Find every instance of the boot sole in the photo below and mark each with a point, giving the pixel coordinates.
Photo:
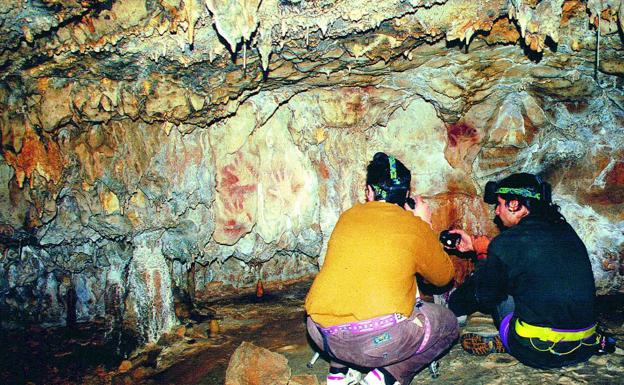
(479, 345)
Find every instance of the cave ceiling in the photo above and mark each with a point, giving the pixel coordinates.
(219, 52)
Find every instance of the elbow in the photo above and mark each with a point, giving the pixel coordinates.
(451, 272)
(445, 279)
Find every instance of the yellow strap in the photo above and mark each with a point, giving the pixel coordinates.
(547, 334)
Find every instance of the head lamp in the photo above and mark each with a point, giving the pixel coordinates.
(522, 185)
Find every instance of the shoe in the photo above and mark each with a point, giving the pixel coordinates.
(336, 379)
(351, 378)
(375, 377)
(479, 345)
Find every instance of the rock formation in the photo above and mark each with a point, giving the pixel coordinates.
(157, 147)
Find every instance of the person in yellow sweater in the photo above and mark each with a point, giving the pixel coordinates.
(363, 306)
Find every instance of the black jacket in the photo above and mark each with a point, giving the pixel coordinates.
(546, 269)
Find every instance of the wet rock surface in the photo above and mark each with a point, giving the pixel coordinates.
(200, 352)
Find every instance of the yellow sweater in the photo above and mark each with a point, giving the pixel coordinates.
(372, 256)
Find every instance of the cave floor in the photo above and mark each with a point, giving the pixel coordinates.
(197, 353)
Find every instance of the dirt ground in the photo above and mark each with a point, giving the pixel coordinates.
(197, 353)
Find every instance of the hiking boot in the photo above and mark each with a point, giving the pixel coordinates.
(479, 345)
(481, 324)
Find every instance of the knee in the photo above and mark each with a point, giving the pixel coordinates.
(453, 326)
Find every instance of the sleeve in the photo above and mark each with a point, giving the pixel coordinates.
(491, 280)
(480, 245)
(434, 265)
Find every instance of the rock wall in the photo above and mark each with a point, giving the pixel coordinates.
(145, 161)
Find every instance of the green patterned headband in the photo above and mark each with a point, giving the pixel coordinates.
(523, 192)
(393, 171)
(380, 192)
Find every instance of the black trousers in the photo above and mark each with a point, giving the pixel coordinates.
(531, 352)
(463, 300)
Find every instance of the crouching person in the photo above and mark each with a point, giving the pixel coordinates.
(362, 307)
(536, 280)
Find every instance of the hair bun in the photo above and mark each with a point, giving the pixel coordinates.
(380, 157)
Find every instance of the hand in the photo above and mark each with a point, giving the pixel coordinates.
(421, 209)
(465, 243)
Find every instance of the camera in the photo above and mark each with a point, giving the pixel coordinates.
(449, 240)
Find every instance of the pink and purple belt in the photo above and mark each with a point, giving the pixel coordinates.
(365, 326)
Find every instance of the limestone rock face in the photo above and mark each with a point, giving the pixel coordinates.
(153, 150)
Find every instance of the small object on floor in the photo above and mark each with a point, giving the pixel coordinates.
(606, 344)
(479, 345)
(313, 360)
(434, 368)
(259, 289)
(214, 328)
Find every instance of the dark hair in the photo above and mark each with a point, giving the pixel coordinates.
(389, 178)
(531, 192)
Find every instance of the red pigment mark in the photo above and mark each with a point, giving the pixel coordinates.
(324, 170)
(229, 178)
(231, 226)
(296, 188)
(455, 132)
(235, 192)
(234, 197)
(86, 20)
(158, 301)
(230, 181)
(235, 205)
(616, 175)
(356, 105)
(530, 129)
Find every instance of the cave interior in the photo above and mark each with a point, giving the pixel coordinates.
(171, 170)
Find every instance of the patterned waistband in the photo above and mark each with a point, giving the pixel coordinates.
(365, 326)
(526, 330)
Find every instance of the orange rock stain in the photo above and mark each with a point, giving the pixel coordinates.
(45, 159)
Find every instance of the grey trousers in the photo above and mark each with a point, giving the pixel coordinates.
(402, 349)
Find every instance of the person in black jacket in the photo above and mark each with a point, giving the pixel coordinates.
(536, 281)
